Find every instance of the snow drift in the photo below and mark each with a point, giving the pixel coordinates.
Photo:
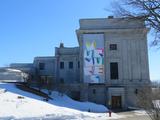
(18, 104)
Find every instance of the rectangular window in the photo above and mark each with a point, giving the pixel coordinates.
(41, 66)
(113, 46)
(78, 64)
(61, 80)
(94, 91)
(61, 65)
(114, 70)
(70, 65)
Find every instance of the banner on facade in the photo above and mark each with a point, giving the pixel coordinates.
(93, 58)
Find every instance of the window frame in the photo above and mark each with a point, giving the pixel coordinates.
(112, 47)
(41, 66)
(62, 80)
(94, 91)
(61, 65)
(114, 71)
(70, 64)
(78, 64)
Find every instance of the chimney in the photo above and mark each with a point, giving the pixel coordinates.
(110, 17)
(61, 45)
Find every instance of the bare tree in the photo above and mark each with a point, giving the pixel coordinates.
(148, 10)
(149, 100)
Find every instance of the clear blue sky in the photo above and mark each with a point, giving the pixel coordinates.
(30, 28)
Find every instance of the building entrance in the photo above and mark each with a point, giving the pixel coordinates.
(116, 102)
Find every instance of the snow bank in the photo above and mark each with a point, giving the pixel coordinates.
(16, 104)
(66, 101)
(140, 112)
(2, 90)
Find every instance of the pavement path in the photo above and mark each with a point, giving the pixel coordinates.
(131, 115)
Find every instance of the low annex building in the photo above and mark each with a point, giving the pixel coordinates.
(108, 67)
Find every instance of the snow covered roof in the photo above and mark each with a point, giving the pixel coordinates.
(13, 70)
(6, 69)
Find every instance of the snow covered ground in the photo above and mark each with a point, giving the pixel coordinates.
(16, 104)
(140, 112)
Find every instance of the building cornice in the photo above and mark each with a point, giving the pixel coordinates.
(117, 31)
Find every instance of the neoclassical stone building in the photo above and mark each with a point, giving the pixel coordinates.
(109, 66)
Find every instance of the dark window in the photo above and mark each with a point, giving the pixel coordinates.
(61, 80)
(94, 91)
(113, 46)
(78, 64)
(61, 65)
(70, 65)
(114, 70)
(136, 91)
(41, 66)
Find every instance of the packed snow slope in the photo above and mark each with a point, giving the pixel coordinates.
(18, 104)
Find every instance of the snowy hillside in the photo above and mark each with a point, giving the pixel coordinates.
(65, 101)
(17, 104)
